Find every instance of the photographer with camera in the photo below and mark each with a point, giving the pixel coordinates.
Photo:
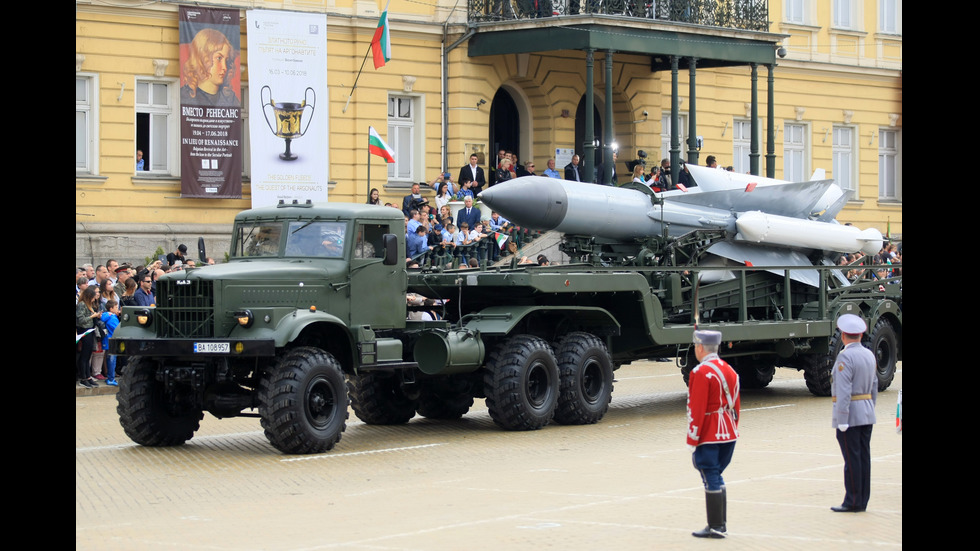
(413, 200)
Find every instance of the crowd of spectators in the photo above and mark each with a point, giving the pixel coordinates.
(100, 292)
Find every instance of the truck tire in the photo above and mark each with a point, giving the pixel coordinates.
(377, 399)
(819, 367)
(303, 402)
(522, 383)
(439, 400)
(884, 343)
(147, 415)
(586, 379)
(754, 372)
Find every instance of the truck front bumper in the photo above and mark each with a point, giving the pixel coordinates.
(192, 347)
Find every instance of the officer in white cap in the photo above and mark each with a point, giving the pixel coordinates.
(713, 404)
(855, 392)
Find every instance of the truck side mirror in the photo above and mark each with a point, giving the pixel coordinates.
(391, 249)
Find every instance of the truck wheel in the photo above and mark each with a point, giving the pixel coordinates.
(303, 402)
(377, 399)
(819, 367)
(147, 414)
(754, 372)
(439, 400)
(521, 383)
(884, 343)
(586, 379)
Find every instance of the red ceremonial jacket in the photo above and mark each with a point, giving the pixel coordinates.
(709, 417)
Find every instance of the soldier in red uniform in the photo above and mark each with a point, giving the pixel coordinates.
(712, 415)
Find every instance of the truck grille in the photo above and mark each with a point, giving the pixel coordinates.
(185, 308)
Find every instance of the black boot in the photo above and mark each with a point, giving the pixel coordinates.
(716, 505)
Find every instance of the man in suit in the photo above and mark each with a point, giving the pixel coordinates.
(573, 171)
(855, 392)
(468, 214)
(475, 173)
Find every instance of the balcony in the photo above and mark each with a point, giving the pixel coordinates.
(749, 15)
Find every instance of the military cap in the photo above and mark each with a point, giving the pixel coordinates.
(851, 324)
(707, 337)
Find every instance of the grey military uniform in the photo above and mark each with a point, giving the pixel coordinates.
(855, 387)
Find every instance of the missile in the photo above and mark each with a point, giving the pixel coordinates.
(759, 227)
(774, 214)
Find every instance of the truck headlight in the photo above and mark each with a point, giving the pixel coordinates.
(244, 318)
(144, 317)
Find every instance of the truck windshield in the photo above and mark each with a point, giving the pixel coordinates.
(257, 240)
(319, 239)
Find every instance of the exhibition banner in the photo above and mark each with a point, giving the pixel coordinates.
(288, 128)
(210, 103)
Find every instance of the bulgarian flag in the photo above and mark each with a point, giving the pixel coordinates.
(381, 43)
(377, 146)
(500, 238)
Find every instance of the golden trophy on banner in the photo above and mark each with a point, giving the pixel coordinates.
(288, 117)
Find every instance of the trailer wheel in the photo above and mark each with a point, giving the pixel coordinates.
(378, 399)
(148, 415)
(586, 379)
(303, 402)
(884, 343)
(754, 372)
(819, 367)
(522, 383)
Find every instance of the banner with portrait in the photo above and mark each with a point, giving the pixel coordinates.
(210, 103)
(288, 124)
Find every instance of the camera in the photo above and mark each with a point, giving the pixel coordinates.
(641, 160)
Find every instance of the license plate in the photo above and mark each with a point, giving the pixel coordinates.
(212, 348)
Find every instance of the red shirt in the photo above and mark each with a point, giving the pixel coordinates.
(710, 416)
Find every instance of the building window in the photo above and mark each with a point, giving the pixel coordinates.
(403, 138)
(86, 126)
(741, 145)
(795, 12)
(665, 135)
(845, 159)
(844, 16)
(889, 163)
(156, 125)
(794, 152)
(890, 16)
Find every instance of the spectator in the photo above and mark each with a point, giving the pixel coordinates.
(573, 171)
(110, 318)
(178, 254)
(107, 293)
(143, 295)
(86, 312)
(443, 196)
(475, 173)
(550, 172)
(374, 198)
(128, 297)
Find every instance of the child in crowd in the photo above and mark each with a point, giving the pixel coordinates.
(110, 317)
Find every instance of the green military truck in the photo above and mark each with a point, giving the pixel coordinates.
(310, 316)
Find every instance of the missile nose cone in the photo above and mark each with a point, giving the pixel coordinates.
(537, 202)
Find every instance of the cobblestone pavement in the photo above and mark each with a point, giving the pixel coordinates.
(626, 483)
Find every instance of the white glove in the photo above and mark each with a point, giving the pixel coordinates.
(691, 448)
(843, 427)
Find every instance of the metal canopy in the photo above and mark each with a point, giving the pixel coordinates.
(710, 47)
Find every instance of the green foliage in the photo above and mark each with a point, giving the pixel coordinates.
(156, 255)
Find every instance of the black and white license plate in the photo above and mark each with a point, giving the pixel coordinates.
(212, 348)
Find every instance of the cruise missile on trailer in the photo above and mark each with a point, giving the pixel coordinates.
(769, 222)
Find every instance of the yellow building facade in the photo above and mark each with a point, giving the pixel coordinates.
(837, 103)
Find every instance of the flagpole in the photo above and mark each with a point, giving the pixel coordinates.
(363, 61)
(369, 163)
